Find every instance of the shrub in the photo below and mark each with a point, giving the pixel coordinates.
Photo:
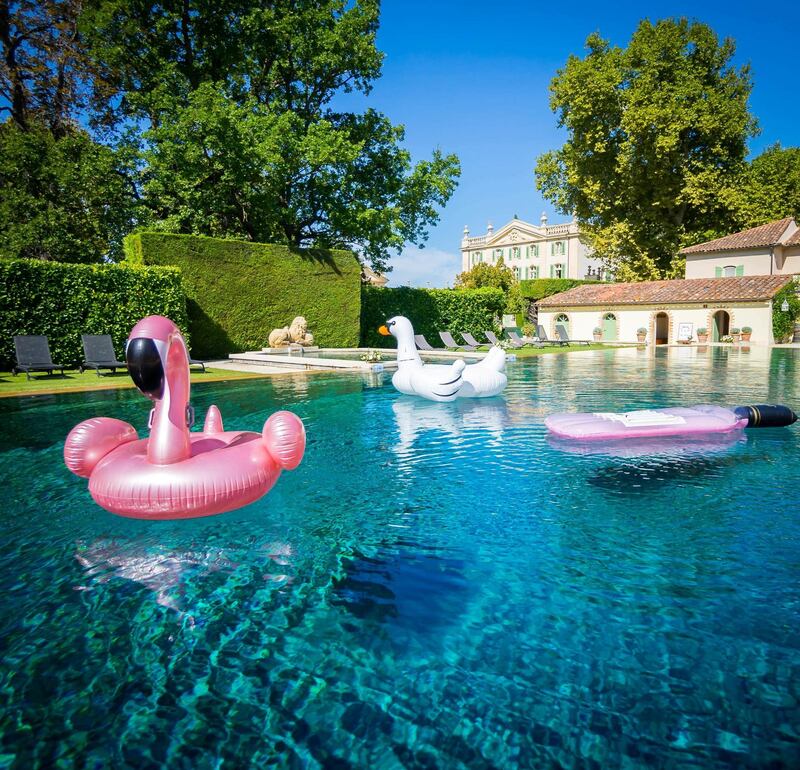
(429, 310)
(528, 330)
(747, 330)
(597, 330)
(64, 301)
(736, 330)
(702, 330)
(641, 330)
(539, 288)
(238, 291)
(783, 323)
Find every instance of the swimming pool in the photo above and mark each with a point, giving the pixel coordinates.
(435, 586)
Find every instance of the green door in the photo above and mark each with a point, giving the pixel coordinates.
(609, 327)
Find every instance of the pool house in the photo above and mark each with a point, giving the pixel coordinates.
(670, 311)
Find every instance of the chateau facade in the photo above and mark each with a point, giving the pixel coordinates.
(533, 251)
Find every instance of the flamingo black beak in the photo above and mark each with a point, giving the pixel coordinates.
(145, 367)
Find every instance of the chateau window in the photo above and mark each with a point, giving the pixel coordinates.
(477, 257)
(534, 271)
(498, 254)
(516, 273)
(515, 252)
(556, 271)
(557, 248)
(532, 251)
(729, 271)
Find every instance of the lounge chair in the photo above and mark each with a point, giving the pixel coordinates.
(561, 331)
(196, 362)
(492, 337)
(470, 340)
(422, 343)
(542, 335)
(98, 353)
(519, 342)
(33, 355)
(449, 342)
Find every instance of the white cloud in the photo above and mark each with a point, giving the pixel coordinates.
(428, 268)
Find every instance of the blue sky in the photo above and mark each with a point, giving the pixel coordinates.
(472, 78)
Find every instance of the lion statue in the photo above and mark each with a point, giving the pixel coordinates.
(296, 334)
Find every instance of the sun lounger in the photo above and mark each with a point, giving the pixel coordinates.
(542, 335)
(98, 353)
(470, 340)
(449, 342)
(33, 355)
(196, 362)
(422, 343)
(561, 331)
(492, 337)
(515, 338)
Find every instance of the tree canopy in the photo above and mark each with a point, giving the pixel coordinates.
(657, 136)
(769, 187)
(227, 112)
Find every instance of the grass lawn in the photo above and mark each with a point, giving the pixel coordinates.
(530, 352)
(74, 381)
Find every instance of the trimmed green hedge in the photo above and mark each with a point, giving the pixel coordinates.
(429, 310)
(239, 291)
(64, 301)
(539, 288)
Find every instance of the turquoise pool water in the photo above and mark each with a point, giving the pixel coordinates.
(435, 587)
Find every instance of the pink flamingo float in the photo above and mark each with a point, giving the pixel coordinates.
(176, 473)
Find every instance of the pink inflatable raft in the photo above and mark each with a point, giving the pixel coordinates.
(175, 473)
(696, 421)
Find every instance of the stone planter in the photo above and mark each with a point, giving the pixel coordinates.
(746, 336)
(736, 337)
(598, 337)
(702, 339)
(640, 338)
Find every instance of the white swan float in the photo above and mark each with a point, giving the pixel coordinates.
(437, 382)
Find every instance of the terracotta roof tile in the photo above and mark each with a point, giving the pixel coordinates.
(794, 240)
(763, 235)
(693, 290)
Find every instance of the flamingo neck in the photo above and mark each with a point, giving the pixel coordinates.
(407, 352)
(169, 436)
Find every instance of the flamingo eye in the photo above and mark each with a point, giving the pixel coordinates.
(145, 367)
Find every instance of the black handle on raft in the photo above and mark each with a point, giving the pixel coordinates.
(766, 415)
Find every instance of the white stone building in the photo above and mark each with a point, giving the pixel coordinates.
(533, 251)
(770, 249)
(667, 310)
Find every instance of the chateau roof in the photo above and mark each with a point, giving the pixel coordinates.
(693, 290)
(763, 235)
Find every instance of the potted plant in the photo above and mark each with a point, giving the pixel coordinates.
(597, 332)
(736, 334)
(746, 332)
(641, 334)
(702, 335)
(529, 330)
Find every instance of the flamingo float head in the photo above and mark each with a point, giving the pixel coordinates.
(158, 363)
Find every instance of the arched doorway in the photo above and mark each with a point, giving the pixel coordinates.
(562, 320)
(609, 327)
(721, 325)
(662, 328)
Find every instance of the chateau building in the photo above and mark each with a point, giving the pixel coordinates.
(533, 251)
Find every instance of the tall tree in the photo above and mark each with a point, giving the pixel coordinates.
(242, 137)
(770, 187)
(657, 135)
(64, 198)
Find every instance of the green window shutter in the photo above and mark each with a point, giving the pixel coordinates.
(717, 272)
(551, 270)
(739, 270)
